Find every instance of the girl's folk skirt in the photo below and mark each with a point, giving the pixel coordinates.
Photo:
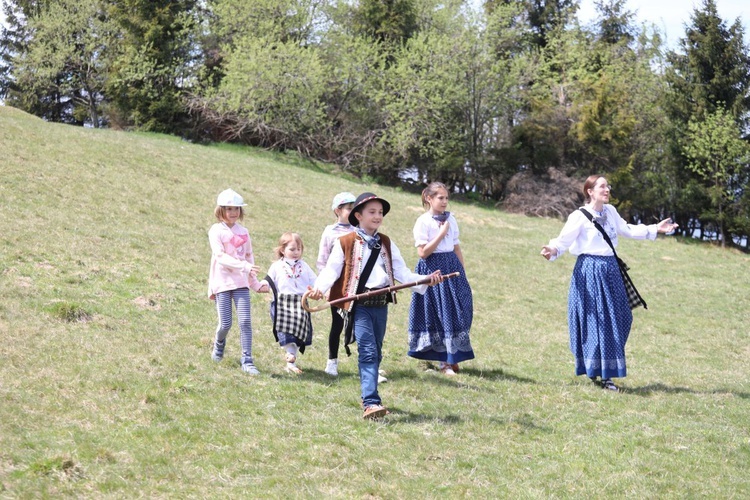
(599, 317)
(440, 320)
(291, 323)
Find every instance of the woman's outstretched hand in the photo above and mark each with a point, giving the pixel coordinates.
(666, 226)
(548, 252)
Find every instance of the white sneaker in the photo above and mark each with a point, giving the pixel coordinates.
(381, 379)
(250, 369)
(332, 367)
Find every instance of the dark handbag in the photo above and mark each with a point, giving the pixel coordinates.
(634, 298)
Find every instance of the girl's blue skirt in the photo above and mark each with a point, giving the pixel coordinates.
(440, 320)
(599, 317)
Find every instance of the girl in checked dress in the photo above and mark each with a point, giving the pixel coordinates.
(289, 278)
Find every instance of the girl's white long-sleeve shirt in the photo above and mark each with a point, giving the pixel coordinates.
(231, 259)
(327, 239)
(580, 235)
(291, 277)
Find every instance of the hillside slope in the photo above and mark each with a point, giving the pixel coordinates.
(108, 389)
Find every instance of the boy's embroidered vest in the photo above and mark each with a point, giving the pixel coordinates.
(354, 264)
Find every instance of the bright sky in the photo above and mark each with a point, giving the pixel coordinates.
(671, 16)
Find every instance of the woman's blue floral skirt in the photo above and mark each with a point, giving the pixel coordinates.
(599, 317)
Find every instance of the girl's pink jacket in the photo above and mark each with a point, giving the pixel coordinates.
(231, 259)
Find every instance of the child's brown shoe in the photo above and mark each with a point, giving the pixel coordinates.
(373, 412)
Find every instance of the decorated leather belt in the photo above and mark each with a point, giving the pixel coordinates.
(376, 300)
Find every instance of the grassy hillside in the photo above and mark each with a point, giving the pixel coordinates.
(107, 388)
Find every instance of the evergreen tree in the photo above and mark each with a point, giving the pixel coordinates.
(717, 154)
(541, 16)
(57, 68)
(154, 64)
(614, 22)
(711, 72)
(390, 22)
(14, 39)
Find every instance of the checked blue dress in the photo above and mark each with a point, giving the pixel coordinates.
(440, 320)
(599, 317)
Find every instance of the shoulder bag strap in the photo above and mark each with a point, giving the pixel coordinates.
(606, 238)
(623, 266)
(275, 292)
(600, 228)
(348, 323)
(374, 252)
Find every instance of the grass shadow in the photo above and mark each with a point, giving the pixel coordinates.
(400, 416)
(493, 374)
(496, 374)
(525, 422)
(316, 375)
(650, 389)
(433, 377)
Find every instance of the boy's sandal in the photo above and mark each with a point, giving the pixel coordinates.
(291, 358)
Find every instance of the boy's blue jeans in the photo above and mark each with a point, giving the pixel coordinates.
(369, 330)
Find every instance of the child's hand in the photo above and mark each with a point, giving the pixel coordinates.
(264, 288)
(314, 293)
(254, 270)
(436, 277)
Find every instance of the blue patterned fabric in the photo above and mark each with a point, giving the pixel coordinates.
(372, 241)
(441, 217)
(599, 317)
(440, 320)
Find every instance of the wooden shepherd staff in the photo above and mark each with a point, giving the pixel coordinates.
(371, 293)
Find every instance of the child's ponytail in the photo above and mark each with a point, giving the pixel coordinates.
(431, 190)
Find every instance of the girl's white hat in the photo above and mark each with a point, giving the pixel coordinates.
(342, 199)
(229, 198)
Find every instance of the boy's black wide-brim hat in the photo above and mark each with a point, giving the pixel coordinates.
(361, 201)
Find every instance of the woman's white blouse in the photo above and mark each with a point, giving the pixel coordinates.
(580, 235)
(426, 229)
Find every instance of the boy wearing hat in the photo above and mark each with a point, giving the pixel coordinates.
(360, 261)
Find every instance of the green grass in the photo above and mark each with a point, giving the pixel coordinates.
(107, 388)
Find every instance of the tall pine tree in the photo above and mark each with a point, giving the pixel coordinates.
(710, 72)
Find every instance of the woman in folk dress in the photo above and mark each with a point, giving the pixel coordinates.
(599, 315)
